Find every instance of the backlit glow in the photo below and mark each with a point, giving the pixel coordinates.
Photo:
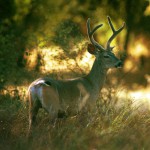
(54, 59)
(139, 48)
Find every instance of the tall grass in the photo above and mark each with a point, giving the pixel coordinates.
(106, 127)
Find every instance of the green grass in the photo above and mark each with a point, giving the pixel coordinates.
(104, 128)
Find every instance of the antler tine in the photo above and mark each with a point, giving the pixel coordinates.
(115, 33)
(90, 34)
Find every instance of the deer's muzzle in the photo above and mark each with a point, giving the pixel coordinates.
(119, 64)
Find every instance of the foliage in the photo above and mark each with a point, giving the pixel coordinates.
(66, 34)
(32, 24)
(8, 55)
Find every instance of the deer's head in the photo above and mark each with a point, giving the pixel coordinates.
(102, 54)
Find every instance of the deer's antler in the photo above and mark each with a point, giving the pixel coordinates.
(115, 33)
(90, 34)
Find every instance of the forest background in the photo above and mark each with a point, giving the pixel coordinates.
(49, 38)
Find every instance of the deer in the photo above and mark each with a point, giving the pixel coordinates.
(56, 96)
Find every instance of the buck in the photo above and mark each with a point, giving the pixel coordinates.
(57, 96)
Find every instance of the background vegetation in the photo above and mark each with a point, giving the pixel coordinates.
(30, 30)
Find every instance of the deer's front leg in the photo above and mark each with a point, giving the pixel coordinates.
(84, 96)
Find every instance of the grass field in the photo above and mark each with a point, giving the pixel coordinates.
(104, 128)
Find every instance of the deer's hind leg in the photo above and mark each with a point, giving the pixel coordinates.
(34, 105)
(51, 102)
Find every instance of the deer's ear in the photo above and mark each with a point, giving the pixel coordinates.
(91, 49)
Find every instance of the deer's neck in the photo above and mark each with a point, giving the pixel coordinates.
(97, 74)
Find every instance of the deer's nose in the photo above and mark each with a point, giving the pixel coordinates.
(119, 64)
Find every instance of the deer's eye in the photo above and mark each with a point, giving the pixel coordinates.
(106, 56)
